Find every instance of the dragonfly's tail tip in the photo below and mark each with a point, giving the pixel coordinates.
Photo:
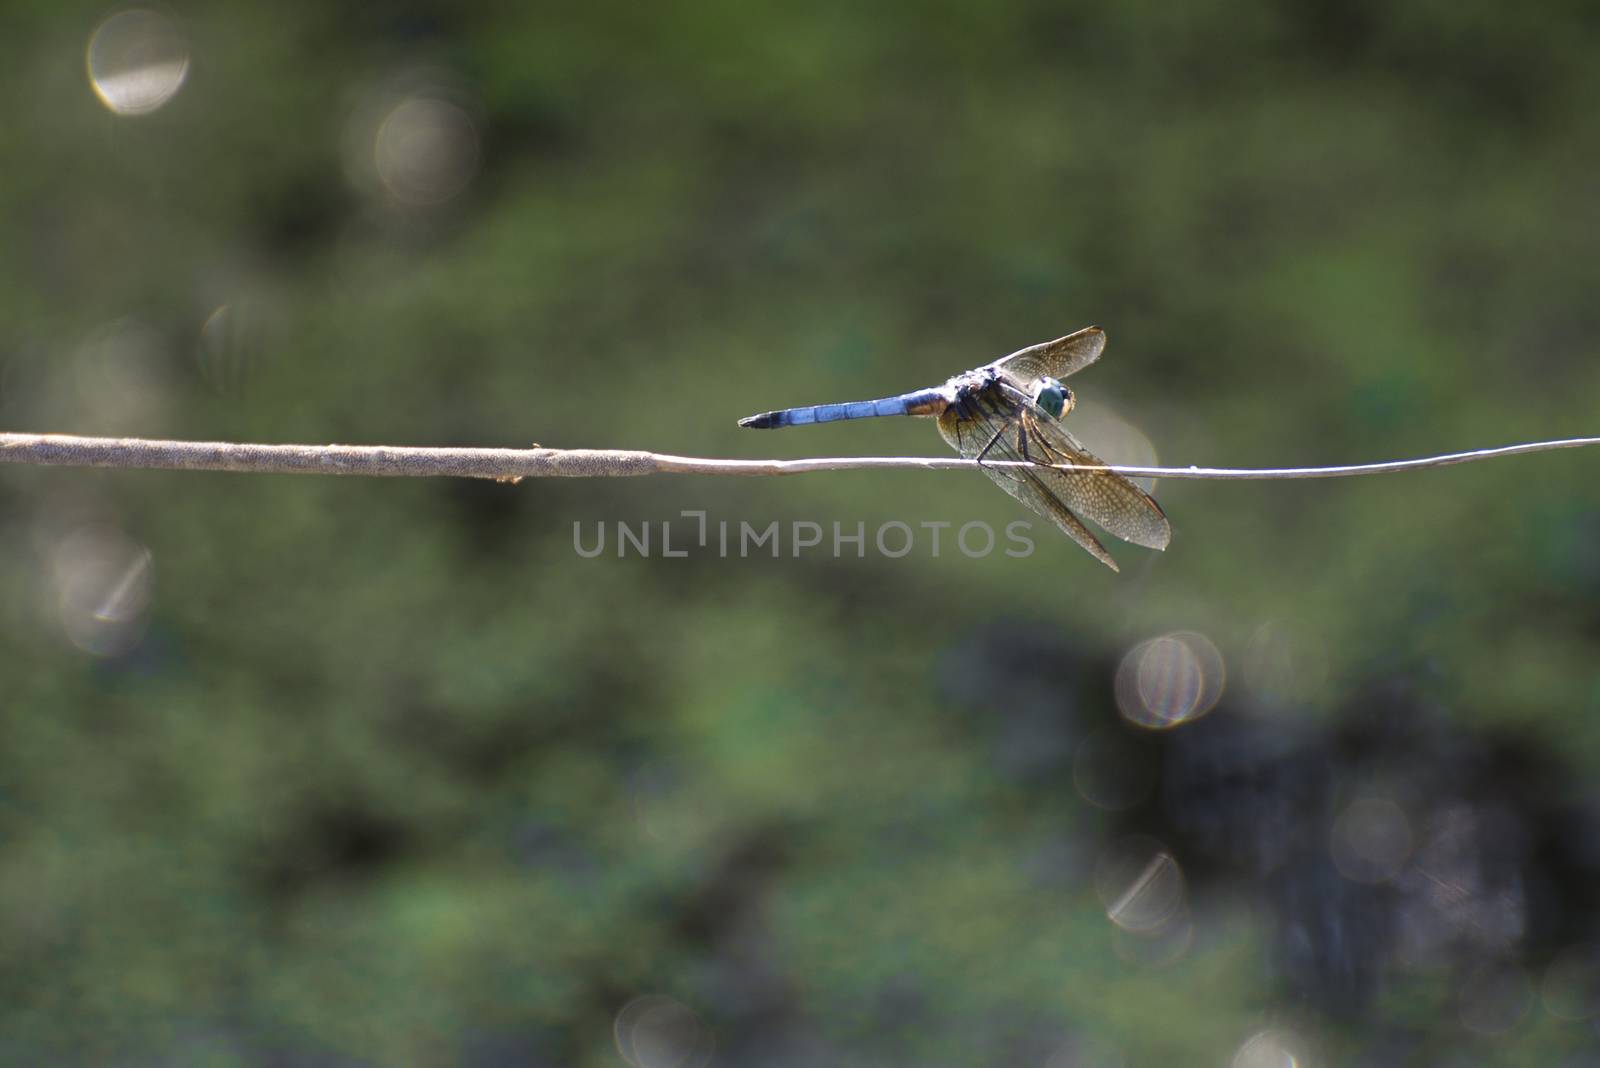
(757, 422)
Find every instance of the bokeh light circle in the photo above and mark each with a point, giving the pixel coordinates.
(1114, 439)
(1283, 662)
(231, 345)
(658, 1032)
(137, 59)
(1140, 884)
(1570, 989)
(1494, 999)
(425, 150)
(1164, 946)
(122, 375)
(1270, 1049)
(1170, 680)
(1372, 840)
(104, 581)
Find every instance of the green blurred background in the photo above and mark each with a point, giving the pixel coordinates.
(305, 771)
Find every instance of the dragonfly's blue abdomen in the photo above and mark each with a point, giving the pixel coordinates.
(920, 402)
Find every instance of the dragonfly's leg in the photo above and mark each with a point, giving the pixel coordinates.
(1022, 445)
(993, 441)
(1013, 475)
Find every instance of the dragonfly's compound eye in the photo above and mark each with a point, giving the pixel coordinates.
(1052, 398)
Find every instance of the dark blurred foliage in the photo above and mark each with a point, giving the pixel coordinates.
(308, 771)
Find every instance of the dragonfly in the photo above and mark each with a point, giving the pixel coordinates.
(1013, 410)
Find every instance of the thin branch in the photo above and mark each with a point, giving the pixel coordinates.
(64, 450)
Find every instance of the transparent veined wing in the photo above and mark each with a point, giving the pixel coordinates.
(971, 431)
(1106, 498)
(1054, 359)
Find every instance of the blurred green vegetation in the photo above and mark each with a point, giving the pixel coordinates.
(392, 776)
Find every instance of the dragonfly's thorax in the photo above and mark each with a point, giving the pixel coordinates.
(985, 390)
(970, 384)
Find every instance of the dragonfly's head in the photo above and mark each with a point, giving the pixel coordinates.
(1052, 398)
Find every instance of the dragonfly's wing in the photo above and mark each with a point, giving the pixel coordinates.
(1055, 359)
(1104, 497)
(1037, 496)
(969, 433)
